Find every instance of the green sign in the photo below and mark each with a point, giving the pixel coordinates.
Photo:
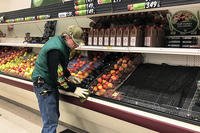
(37, 3)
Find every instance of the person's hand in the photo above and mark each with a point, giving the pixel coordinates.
(81, 92)
(74, 79)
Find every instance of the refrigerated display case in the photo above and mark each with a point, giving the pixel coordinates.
(157, 92)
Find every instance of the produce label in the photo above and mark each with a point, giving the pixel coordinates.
(147, 41)
(133, 41)
(89, 40)
(125, 41)
(119, 40)
(100, 41)
(95, 41)
(106, 43)
(112, 41)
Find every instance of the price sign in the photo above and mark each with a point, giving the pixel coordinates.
(152, 4)
(117, 1)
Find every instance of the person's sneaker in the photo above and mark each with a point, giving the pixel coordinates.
(68, 131)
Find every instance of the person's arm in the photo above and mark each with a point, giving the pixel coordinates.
(54, 58)
(52, 63)
(64, 65)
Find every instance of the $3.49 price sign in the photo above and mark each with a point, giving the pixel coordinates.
(152, 4)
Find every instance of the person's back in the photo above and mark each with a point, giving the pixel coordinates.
(41, 68)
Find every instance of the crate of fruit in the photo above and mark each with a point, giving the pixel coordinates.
(107, 83)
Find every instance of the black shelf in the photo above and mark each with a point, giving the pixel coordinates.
(68, 6)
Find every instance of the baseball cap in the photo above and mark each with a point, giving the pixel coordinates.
(76, 33)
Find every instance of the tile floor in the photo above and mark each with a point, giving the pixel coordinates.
(14, 119)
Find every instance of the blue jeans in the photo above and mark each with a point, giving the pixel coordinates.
(49, 106)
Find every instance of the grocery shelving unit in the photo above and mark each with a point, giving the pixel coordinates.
(153, 50)
(148, 120)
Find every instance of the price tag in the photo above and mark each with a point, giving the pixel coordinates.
(117, 1)
(152, 4)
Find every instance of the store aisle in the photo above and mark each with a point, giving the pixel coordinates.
(14, 119)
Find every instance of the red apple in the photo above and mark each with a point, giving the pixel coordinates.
(99, 80)
(105, 86)
(114, 78)
(104, 76)
(121, 69)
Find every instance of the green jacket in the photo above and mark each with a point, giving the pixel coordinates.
(41, 68)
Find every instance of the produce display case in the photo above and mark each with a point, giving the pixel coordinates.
(169, 90)
(122, 78)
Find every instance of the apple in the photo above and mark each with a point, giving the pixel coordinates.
(124, 61)
(86, 74)
(110, 85)
(112, 72)
(99, 80)
(117, 72)
(124, 65)
(95, 88)
(101, 92)
(116, 66)
(104, 81)
(100, 87)
(105, 86)
(104, 76)
(114, 78)
(121, 69)
(80, 73)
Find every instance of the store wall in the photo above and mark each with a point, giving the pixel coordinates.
(11, 5)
